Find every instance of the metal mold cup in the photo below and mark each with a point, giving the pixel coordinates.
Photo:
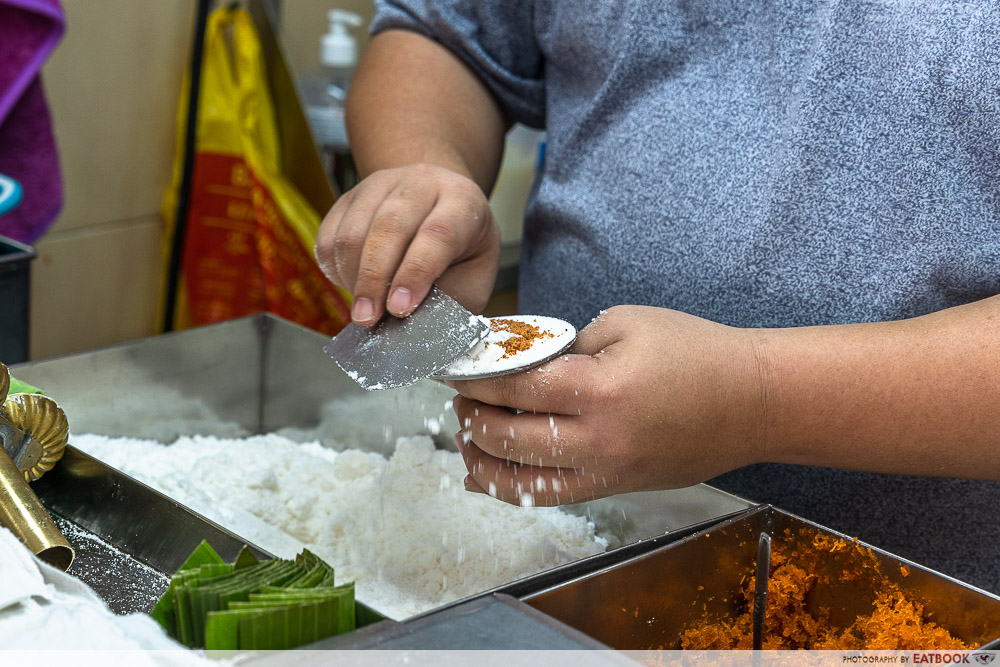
(33, 435)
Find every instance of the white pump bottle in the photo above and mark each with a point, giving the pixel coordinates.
(325, 90)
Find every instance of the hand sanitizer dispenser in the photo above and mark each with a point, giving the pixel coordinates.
(325, 90)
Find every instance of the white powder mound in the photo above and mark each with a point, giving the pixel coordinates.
(489, 357)
(115, 412)
(404, 528)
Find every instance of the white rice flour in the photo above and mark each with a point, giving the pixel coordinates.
(403, 528)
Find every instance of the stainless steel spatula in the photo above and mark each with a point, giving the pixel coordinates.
(397, 352)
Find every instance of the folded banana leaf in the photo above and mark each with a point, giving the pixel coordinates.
(274, 604)
(164, 612)
(289, 627)
(245, 558)
(271, 628)
(343, 594)
(235, 586)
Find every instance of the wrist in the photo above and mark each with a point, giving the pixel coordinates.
(760, 394)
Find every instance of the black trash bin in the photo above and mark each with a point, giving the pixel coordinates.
(15, 293)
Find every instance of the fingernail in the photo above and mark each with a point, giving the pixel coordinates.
(399, 302)
(363, 310)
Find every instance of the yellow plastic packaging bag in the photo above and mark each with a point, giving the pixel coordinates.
(249, 234)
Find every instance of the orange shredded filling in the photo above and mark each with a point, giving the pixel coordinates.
(523, 335)
(896, 621)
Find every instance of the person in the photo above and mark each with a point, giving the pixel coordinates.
(797, 200)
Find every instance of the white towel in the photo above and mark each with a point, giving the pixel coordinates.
(42, 608)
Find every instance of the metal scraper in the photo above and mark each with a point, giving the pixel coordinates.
(397, 352)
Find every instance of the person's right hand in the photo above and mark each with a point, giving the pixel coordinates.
(399, 231)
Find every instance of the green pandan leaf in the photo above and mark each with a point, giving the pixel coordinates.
(211, 571)
(22, 387)
(222, 631)
(238, 587)
(182, 615)
(346, 620)
(203, 554)
(164, 611)
(274, 604)
(327, 581)
(311, 578)
(285, 628)
(245, 559)
(343, 595)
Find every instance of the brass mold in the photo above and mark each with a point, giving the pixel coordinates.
(46, 432)
(33, 434)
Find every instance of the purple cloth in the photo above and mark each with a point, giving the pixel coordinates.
(29, 31)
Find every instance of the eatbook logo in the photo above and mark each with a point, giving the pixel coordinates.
(983, 658)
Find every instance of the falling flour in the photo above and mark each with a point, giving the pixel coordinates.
(402, 527)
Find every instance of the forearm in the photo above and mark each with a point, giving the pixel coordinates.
(413, 101)
(918, 396)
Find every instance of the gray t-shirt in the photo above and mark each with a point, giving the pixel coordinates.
(761, 164)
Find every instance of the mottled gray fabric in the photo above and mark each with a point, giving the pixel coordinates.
(763, 164)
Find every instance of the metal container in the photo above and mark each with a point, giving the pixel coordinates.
(493, 622)
(258, 375)
(647, 601)
(15, 294)
(129, 539)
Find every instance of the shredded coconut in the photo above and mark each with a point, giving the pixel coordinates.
(403, 528)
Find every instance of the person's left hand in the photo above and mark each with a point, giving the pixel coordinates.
(647, 399)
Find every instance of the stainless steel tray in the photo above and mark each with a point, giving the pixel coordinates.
(130, 538)
(257, 375)
(646, 602)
